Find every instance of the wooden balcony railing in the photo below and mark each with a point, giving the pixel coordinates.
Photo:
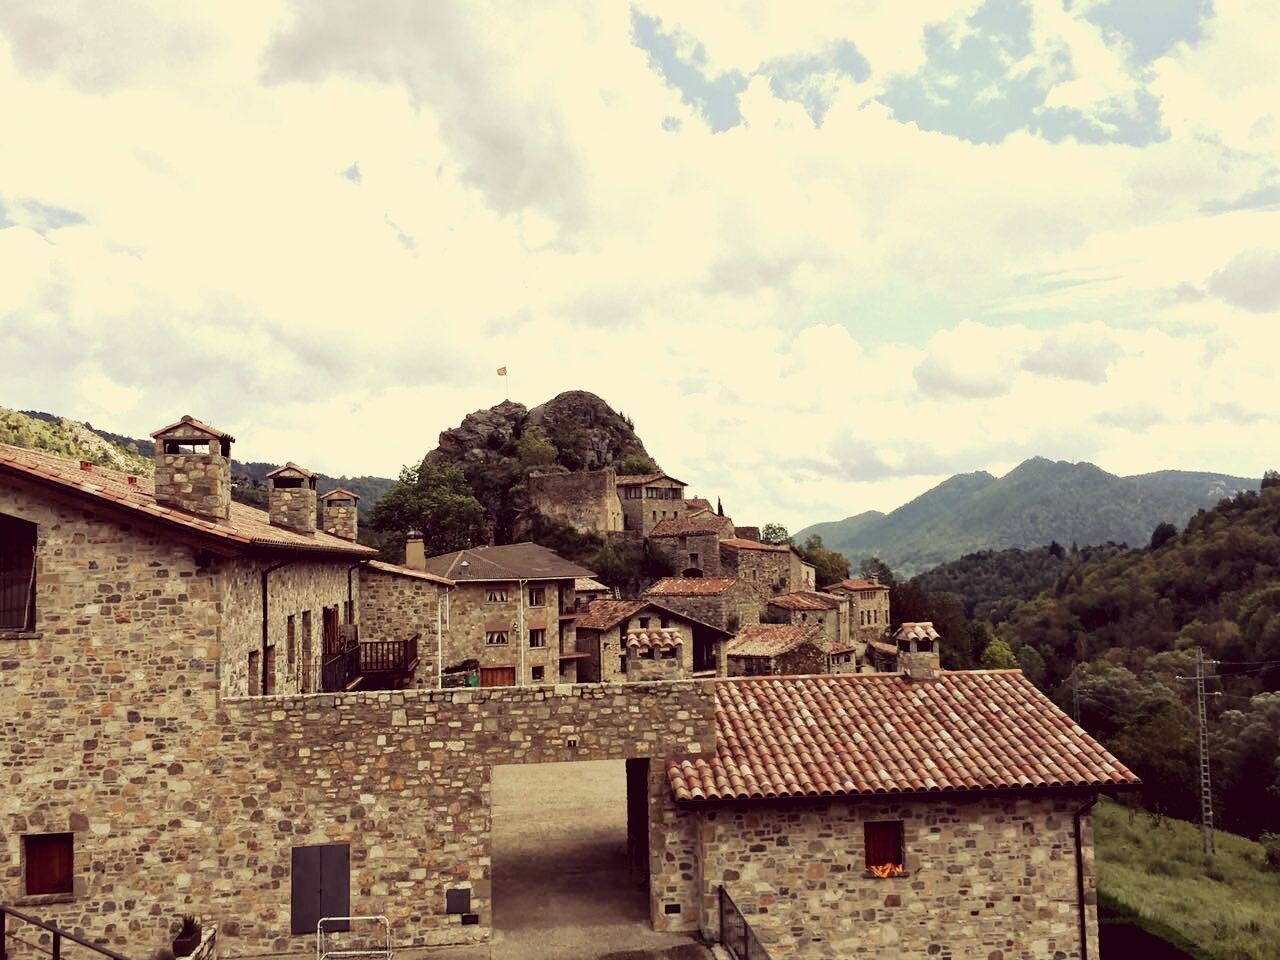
(389, 656)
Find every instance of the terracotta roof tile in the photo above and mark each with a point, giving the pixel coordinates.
(771, 639)
(246, 527)
(854, 735)
(510, 561)
(805, 600)
(691, 524)
(917, 631)
(339, 492)
(654, 639)
(191, 422)
(737, 543)
(690, 587)
(859, 585)
(603, 614)
(291, 467)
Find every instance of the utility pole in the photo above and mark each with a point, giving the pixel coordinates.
(1206, 787)
(1075, 693)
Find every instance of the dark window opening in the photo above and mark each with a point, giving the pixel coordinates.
(644, 623)
(287, 483)
(622, 663)
(187, 447)
(320, 886)
(537, 596)
(670, 653)
(17, 574)
(50, 863)
(883, 840)
(924, 646)
(291, 642)
(537, 637)
(539, 673)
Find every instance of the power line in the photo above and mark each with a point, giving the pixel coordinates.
(1206, 787)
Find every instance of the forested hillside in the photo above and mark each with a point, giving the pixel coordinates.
(1038, 502)
(1117, 635)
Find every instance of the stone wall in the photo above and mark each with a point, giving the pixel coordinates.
(301, 590)
(697, 551)
(293, 508)
(587, 500)
(195, 482)
(397, 606)
(728, 611)
(470, 611)
(767, 572)
(340, 518)
(805, 658)
(643, 513)
(988, 877)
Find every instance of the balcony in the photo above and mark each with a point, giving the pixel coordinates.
(354, 664)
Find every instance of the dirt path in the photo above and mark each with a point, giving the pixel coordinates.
(561, 889)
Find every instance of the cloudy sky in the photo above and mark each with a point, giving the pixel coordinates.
(825, 254)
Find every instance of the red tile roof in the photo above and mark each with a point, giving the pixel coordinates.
(917, 631)
(246, 526)
(805, 600)
(859, 585)
(771, 639)
(339, 492)
(291, 467)
(603, 614)
(654, 639)
(736, 543)
(691, 524)
(855, 735)
(399, 571)
(690, 587)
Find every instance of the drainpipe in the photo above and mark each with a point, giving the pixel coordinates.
(1080, 904)
(266, 621)
(520, 634)
(440, 636)
(351, 600)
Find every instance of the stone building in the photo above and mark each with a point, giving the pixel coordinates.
(917, 643)
(648, 499)
(831, 613)
(969, 794)
(777, 649)
(144, 781)
(586, 500)
(614, 634)
(511, 613)
(768, 568)
(402, 605)
(868, 607)
(691, 543)
(723, 602)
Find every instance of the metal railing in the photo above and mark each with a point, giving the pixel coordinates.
(50, 941)
(736, 934)
(376, 949)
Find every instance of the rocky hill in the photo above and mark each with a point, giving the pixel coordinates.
(1038, 502)
(495, 448)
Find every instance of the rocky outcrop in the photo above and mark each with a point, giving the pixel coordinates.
(482, 436)
(587, 432)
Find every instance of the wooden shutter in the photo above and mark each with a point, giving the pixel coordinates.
(50, 863)
(883, 842)
(320, 886)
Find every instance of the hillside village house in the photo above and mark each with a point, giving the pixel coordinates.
(691, 543)
(143, 781)
(768, 568)
(907, 641)
(648, 499)
(777, 650)
(643, 640)
(511, 612)
(723, 602)
(831, 614)
(868, 607)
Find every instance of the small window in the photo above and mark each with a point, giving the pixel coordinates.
(539, 673)
(495, 638)
(646, 654)
(537, 637)
(924, 646)
(537, 596)
(287, 483)
(622, 663)
(664, 622)
(644, 623)
(883, 839)
(496, 595)
(255, 673)
(187, 447)
(49, 863)
(693, 559)
(17, 574)
(291, 641)
(669, 653)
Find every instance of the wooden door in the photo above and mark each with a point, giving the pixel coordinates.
(497, 676)
(330, 626)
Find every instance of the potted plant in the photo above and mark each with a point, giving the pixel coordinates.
(188, 938)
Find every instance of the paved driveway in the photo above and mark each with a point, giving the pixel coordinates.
(560, 882)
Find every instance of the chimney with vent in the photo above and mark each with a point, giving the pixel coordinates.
(193, 468)
(338, 513)
(415, 554)
(291, 498)
(918, 655)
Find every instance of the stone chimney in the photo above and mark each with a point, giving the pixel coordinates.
(918, 654)
(338, 513)
(291, 498)
(415, 554)
(193, 468)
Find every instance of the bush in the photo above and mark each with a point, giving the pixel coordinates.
(1270, 851)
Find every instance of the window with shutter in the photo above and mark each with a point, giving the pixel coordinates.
(883, 840)
(50, 863)
(320, 886)
(17, 574)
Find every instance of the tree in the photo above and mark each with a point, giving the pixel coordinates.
(1270, 479)
(873, 568)
(636, 465)
(774, 533)
(435, 500)
(1162, 534)
(998, 656)
(829, 566)
(1032, 664)
(719, 508)
(533, 449)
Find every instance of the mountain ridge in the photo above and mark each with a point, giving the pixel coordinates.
(1038, 501)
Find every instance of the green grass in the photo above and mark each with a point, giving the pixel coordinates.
(1227, 907)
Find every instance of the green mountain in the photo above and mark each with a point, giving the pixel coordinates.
(1038, 502)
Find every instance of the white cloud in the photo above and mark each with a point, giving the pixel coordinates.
(807, 321)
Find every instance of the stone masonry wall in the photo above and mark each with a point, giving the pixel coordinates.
(292, 591)
(989, 877)
(341, 518)
(679, 551)
(293, 507)
(395, 607)
(470, 611)
(587, 500)
(736, 607)
(767, 572)
(195, 482)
